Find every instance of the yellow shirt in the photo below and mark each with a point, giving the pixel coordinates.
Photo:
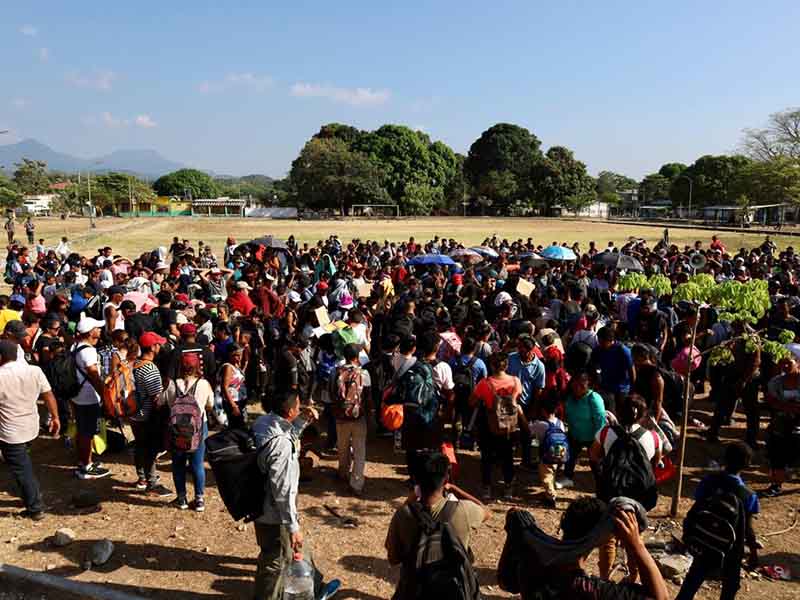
(7, 315)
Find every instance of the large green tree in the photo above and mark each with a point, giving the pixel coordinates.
(712, 178)
(609, 185)
(653, 187)
(186, 182)
(30, 177)
(503, 148)
(672, 170)
(111, 190)
(9, 194)
(561, 180)
(329, 175)
(770, 181)
(347, 133)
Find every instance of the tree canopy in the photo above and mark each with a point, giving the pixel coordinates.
(9, 194)
(712, 181)
(672, 170)
(780, 138)
(30, 177)
(561, 179)
(186, 182)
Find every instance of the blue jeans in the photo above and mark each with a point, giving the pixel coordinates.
(19, 461)
(195, 463)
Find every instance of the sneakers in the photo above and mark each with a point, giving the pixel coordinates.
(141, 484)
(159, 491)
(93, 471)
(565, 483)
(772, 491)
(180, 503)
(199, 504)
(33, 516)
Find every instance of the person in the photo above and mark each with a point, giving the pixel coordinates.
(277, 530)
(232, 387)
(629, 411)
(351, 400)
(571, 579)
(9, 227)
(438, 497)
(86, 405)
(585, 415)
(737, 458)
(783, 397)
(147, 423)
(30, 229)
(496, 444)
(22, 387)
(525, 365)
(614, 362)
(546, 430)
(192, 383)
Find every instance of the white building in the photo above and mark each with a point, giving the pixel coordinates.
(38, 204)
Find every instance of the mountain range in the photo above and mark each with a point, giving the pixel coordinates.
(143, 163)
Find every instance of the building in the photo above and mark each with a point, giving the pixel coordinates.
(162, 206)
(218, 207)
(758, 214)
(37, 204)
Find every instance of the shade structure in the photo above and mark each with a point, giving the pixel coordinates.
(432, 259)
(558, 253)
(485, 251)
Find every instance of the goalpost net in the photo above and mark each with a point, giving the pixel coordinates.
(379, 211)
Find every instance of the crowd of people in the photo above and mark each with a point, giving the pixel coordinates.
(442, 348)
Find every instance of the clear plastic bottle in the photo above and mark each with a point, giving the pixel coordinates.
(534, 451)
(398, 441)
(299, 580)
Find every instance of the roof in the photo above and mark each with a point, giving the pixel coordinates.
(61, 185)
(652, 207)
(752, 207)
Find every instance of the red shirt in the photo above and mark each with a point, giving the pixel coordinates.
(489, 386)
(240, 302)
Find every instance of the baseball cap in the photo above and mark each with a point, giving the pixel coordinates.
(182, 298)
(150, 338)
(294, 296)
(243, 285)
(17, 298)
(188, 329)
(16, 329)
(190, 359)
(86, 324)
(322, 286)
(215, 271)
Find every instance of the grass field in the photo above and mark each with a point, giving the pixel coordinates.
(134, 236)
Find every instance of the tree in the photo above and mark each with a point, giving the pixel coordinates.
(186, 182)
(503, 148)
(780, 138)
(712, 178)
(327, 174)
(498, 187)
(654, 187)
(766, 182)
(9, 195)
(112, 190)
(672, 170)
(31, 177)
(421, 198)
(609, 184)
(561, 179)
(347, 133)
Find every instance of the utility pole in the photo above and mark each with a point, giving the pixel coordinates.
(92, 224)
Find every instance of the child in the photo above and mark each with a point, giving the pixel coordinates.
(737, 458)
(553, 447)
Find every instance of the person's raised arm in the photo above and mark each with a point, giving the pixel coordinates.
(627, 530)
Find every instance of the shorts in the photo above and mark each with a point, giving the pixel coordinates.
(87, 419)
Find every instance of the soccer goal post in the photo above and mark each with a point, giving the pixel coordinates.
(381, 211)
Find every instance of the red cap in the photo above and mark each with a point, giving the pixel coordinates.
(182, 298)
(149, 339)
(190, 359)
(322, 286)
(188, 329)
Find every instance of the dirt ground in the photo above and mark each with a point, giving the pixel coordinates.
(173, 555)
(134, 236)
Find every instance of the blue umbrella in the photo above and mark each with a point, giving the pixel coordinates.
(558, 253)
(432, 259)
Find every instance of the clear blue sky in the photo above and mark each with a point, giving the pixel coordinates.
(238, 87)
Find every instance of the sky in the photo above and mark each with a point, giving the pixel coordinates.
(239, 87)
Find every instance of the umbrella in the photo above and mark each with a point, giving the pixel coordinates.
(269, 241)
(465, 255)
(618, 261)
(432, 259)
(558, 253)
(531, 259)
(485, 251)
(143, 302)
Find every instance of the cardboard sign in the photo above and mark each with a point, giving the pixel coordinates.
(323, 318)
(525, 288)
(364, 290)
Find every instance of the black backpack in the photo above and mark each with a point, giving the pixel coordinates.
(626, 470)
(463, 380)
(674, 384)
(64, 377)
(233, 456)
(442, 567)
(714, 526)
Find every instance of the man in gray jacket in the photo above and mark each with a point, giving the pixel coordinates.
(278, 529)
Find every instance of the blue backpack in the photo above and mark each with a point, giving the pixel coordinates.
(417, 392)
(326, 368)
(555, 447)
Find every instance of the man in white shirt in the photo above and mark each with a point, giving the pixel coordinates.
(23, 385)
(87, 403)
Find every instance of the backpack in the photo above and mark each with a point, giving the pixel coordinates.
(233, 457)
(349, 385)
(504, 417)
(555, 447)
(674, 384)
(442, 566)
(343, 337)
(714, 526)
(463, 379)
(326, 368)
(65, 380)
(417, 392)
(185, 420)
(119, 399)
(626, 470)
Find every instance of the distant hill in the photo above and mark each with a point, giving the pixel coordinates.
(145, 163)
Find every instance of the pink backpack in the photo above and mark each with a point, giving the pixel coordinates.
(185, 420)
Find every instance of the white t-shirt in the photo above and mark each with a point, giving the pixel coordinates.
(84, 359)
(443, 377)
(203, 393)
(649, 441)
(22, 384)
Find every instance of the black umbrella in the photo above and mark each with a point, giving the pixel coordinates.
(269, 241)
(618, 261)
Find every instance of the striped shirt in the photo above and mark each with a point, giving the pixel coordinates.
(147, 381)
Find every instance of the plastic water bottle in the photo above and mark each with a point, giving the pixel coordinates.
(299, 580)
(534, 451)
(398, 442)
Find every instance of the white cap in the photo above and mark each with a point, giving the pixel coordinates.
(161, 265)
(243, 285)
(294, 296)
(86, 324)
(502, 298)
